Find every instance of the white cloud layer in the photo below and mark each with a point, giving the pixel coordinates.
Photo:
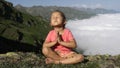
(97, 35)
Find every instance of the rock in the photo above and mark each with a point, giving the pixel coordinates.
(13, 55)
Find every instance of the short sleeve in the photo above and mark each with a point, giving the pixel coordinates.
(48, 37)
(70, 36)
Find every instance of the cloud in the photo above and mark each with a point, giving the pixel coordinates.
(84, 6)
(97, 35)
(88, 6)
(97, 6)
(98, 28)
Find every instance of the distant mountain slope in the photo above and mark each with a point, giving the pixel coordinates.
(96, 10)
(21, 27)
(45, 11)
(70, 12)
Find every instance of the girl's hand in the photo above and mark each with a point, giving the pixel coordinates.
(55, 42)
(70, 44)
(59, 37)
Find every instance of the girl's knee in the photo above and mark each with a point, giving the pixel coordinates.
(45, 51)
(81, 57)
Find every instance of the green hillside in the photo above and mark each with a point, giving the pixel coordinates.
(21, 27)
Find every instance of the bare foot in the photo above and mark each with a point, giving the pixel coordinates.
(49, 60)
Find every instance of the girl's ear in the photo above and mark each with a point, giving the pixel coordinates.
(64, 22)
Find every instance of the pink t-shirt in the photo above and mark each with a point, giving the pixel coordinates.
(66, 37)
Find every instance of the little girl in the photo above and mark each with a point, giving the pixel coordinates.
(59, 43)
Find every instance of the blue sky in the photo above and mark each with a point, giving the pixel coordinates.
(108, 4)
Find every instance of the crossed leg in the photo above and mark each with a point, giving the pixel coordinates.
(72, 59)
(53, 57)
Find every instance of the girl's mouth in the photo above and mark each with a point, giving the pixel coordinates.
(56, 23)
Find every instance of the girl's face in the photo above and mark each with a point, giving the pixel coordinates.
(56, 19)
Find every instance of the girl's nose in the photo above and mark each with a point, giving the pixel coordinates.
(56, 17)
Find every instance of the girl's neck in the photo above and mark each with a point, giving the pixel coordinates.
(59, 29)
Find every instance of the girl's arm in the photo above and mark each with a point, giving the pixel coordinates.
(49, 44)
(70, 44)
